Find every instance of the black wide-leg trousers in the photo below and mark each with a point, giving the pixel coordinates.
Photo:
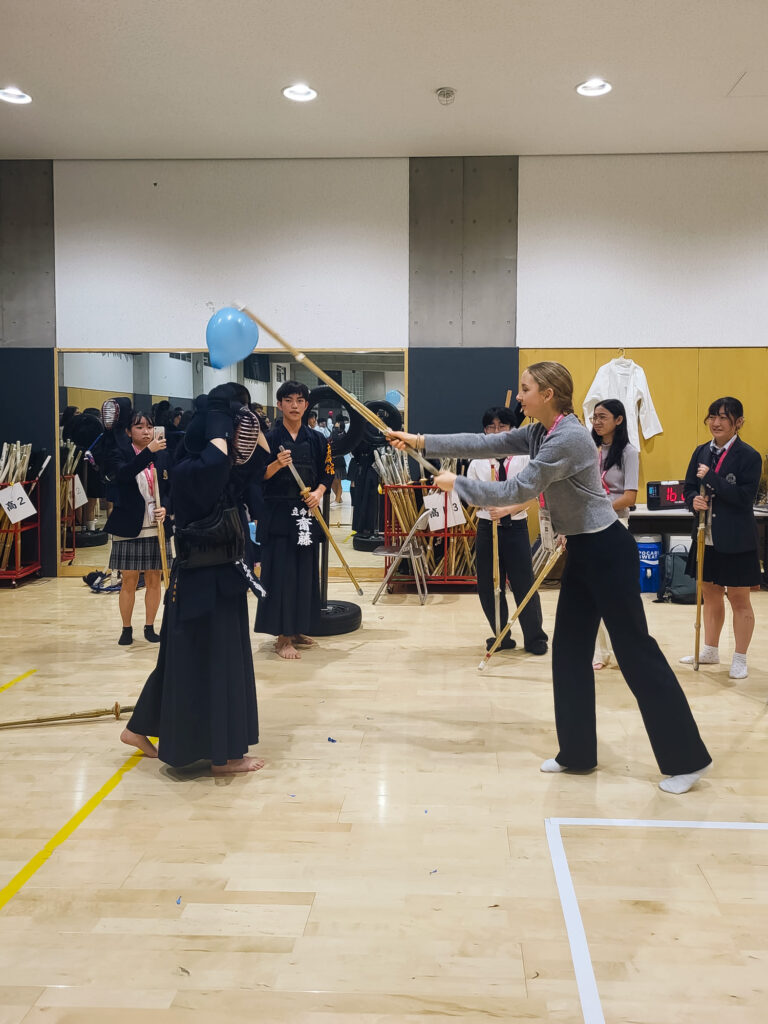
(602, 580)
(515, 564)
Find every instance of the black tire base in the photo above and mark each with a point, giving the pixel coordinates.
(339, 617)
(91, 538)
(370, 543)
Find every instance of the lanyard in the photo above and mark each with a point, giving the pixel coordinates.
(606, 488)
(716, 469)
(560, 416)
(147, 471)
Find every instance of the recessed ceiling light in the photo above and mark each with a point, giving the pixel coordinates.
(594, 87)
(299, 93)
(13, 95)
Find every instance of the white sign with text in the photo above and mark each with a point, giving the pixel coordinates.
(15, 503)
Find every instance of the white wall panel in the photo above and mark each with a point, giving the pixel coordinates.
(146, 251)
(258, 390)
(99, 371)
(640, 251)
(168, 376)
(213, 377)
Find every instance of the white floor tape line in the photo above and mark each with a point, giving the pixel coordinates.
(591, 1008)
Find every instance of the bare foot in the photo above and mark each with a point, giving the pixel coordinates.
(303, 641)
(242, 764)
(598, 665)
(135, 739)
(284, 647)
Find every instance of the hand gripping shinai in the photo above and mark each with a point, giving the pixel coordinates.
(496, 567)
(365, 412)
(319, 517)
(548, 567)
(701, 538)
(160, 529)
(116, 710)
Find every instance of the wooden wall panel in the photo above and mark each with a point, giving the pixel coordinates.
(743, 373)
(91, 398)
(672, 379)
(580, 361)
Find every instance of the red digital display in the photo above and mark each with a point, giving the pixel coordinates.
(666, 494)
(673, 496)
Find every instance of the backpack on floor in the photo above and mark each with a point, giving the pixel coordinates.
(676, 586)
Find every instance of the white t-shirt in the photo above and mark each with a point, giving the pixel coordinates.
(480, 469)
(623, 476)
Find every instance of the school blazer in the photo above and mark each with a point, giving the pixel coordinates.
(127, 516)
(733, 491)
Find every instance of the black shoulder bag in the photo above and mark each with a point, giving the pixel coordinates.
(217, 539)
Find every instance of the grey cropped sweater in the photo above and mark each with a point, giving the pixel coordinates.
(563, 466)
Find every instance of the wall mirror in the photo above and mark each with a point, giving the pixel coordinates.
(87, 378)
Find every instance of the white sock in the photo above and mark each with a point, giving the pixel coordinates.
(739, 667)
(682, 783)
(707, 656)
(551, 765)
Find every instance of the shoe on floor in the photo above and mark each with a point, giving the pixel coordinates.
(126, 637)
(537, 647)
(151, 635)
(507, 644)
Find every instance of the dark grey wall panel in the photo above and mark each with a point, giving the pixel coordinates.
(436, 241)
(490, 251)
(463, 251)
(27, 287)
(28, 414)
(142, 402)
(141, 373)
(449, 389)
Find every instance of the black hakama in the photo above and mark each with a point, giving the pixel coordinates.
(290, 537)
(201, 697)
(290, 575)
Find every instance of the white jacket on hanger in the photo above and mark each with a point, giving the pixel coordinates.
(625, 380)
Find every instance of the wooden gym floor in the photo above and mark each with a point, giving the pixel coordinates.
(404, 872)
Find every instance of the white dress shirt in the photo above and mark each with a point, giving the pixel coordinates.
(480, 469)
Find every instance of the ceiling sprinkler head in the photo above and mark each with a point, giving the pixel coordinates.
(445, 95)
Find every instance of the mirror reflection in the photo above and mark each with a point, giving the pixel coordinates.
(163, 386)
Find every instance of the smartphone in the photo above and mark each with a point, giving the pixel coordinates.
(159, 433)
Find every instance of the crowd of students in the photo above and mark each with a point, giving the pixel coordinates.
(581, 483)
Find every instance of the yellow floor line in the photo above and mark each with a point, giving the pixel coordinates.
(18, 679)
(20, 879)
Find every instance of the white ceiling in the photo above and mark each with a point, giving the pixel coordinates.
(203, 78)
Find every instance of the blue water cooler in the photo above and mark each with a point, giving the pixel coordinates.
(649, 549)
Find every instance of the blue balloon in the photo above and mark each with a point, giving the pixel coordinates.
(231, 335)
(394, 397)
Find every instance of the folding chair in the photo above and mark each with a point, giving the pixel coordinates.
(412, 548)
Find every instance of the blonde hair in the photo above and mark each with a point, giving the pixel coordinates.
(556, 376)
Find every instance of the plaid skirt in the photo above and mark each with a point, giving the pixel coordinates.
(138, 555)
